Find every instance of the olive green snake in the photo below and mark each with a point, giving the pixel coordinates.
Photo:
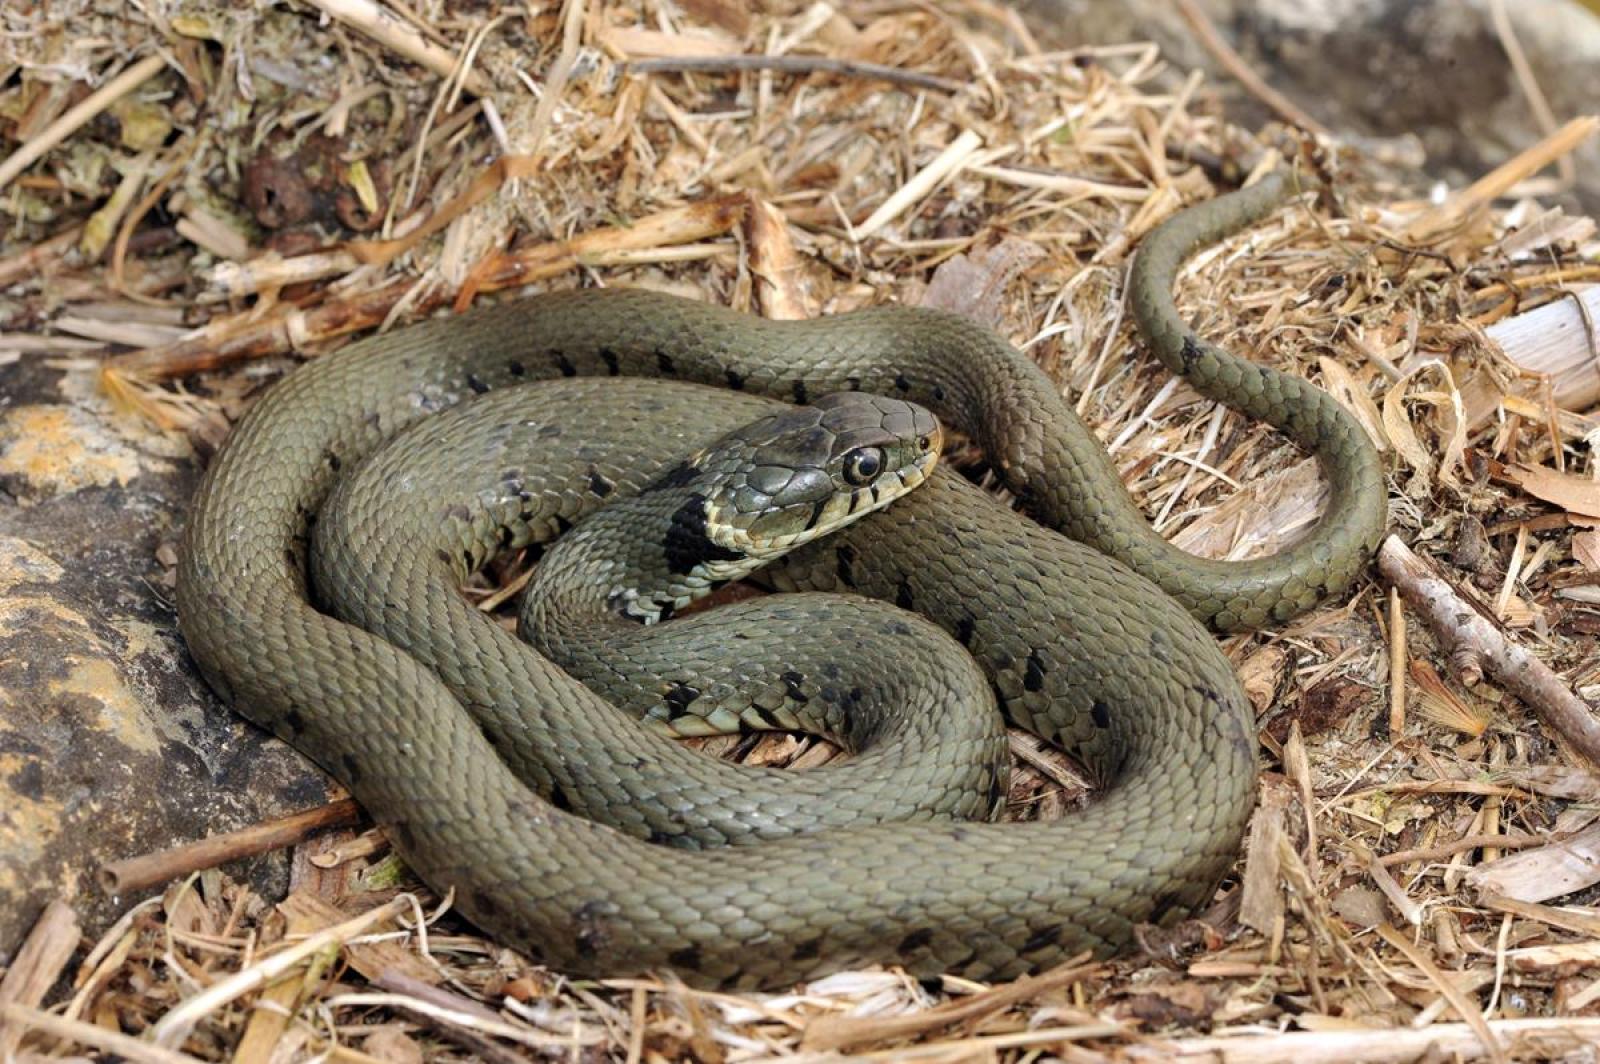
(1083, 645)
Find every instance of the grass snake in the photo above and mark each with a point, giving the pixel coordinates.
(1080, 643)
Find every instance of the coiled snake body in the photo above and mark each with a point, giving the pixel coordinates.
(1077, 647)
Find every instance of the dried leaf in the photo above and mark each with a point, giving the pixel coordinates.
(1397, 423)
(1586, 548)
(1577, 495)
(1354, 398)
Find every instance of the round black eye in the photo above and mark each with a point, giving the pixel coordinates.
(923, 443)
(863, 464)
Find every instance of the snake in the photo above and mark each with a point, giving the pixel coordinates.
(1089, 628)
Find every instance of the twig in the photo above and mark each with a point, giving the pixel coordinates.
(922, 182)
(379, 24)
(1397, 665)
(37, 966)
(137, 873)
(1235, 65)
(87, 108)
(791, 64)
(1462, 626)
(458, 1032)
(1464, 1006)
(1461, 845)
(90, 1034)
(840, 1032)
(174, 1027)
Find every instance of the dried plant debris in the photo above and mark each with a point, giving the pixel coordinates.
(190, 187)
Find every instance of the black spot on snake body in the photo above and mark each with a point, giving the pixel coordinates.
(902, 595)
(791, 686)
(1042, 938)
(915, 940)
(352, 770)
(1100, 713)
(809, 950)
(938, 393)
(853, 383)
(516, 369)
(476, 383)
(559, 799)
(563, 524)
(799, 391)
(1033, 675)
(609, 357)
(400, 831)
(735, 380)
(767, 719)
(564, 365)
(965, 630)
(679, 697)
(845, 556)
(1165, 905)
(444, 556)
(1189, 353)
(458, 512)
(484, 903)
(664, 363)
(676, 477)
(505, 536)
(901, 383)
(599, 484)
(294, 721)
(897, 627)
(592, 934)
(688, 957)
(333, 461)
(687, 543)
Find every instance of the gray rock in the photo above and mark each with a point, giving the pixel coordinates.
(110, 744)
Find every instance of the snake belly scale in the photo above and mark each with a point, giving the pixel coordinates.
(1087, 652)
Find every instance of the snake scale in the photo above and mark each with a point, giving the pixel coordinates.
(1077, 645)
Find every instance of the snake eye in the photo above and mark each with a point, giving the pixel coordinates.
(923, 443)
(862, 465)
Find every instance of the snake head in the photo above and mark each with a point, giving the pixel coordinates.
(799, 474)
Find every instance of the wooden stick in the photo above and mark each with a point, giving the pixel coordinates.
(69, 123)
(1466, 842)
(37, 966)
(114, 1042)
(791, 64)
(137, 873)
(1467, 630)
(839, 1032)
(1397, 665)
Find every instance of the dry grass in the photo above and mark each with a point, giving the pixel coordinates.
(1371, 919)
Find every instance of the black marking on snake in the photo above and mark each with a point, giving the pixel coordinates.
(559, 798)
(766, 719)
(476, 383)
(853, 383)
(1189, 353)
(458, 512)
(997, 791)
(676, 477)
(352, 769)
(549, 432)
(516, 369)
(938, 393)
(600, 485)
(791, 686)
(809, 950)
(333, 461)
(800, 394)
(1100, 713)
(1166, 903)
(563, 524)
(679, 697)
(817, 510)
(687, 957)
(484, 902)
(916, 940)
(687, 544)
(609, 357)
(373, 421)
(444, 556)
(735, 380)
(1207, 693)
(829, 693)
(592, 934)
(505, 536)
(664, 363)
(1033, 675)
(400, 831)
(852, 697)
(965, 630)
(1160, 647)
(294, 721)
(901, 383)
(1045, 936)
(902, 595)
(566, 367)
